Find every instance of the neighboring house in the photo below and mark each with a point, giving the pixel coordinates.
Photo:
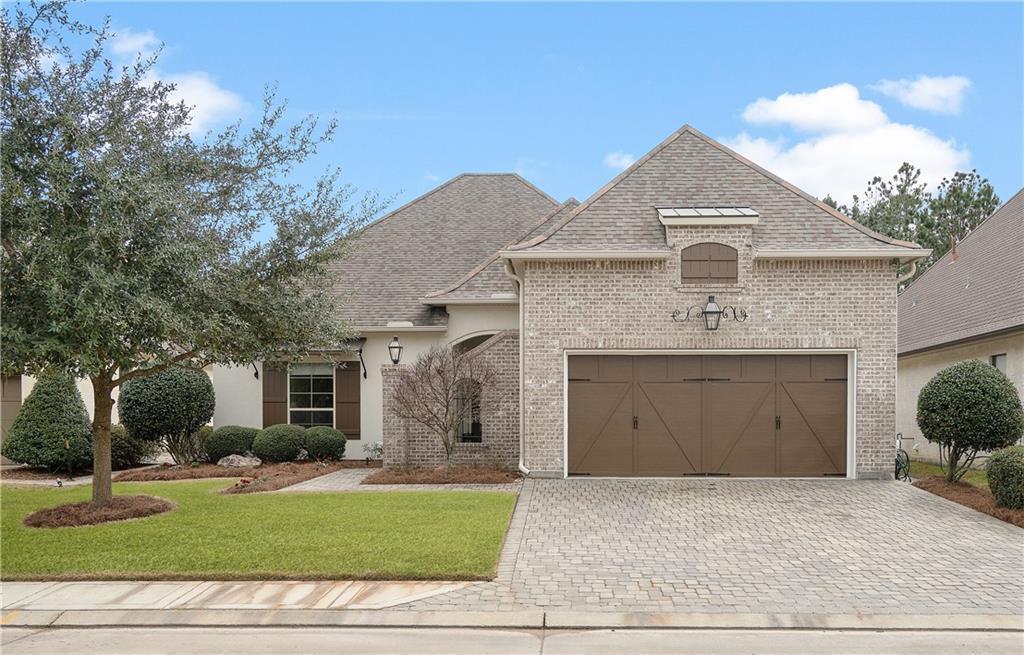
(968, 305)
(580, 308)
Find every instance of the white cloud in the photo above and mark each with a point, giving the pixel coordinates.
(431, 177)
(942, 95)
(529, 167)
(848, 147)
(832, 109)
(619, 160)
(212, 105)
(130, 43)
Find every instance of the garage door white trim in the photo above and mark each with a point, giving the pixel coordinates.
(851, 389)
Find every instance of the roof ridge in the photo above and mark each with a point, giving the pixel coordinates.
(798, 191)
(479, 268)
(972, 233)
(689, 129)
(448, 183)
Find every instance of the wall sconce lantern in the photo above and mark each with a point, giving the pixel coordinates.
(711, 313)
(395, 350)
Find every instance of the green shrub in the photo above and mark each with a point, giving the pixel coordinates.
(1006, 477)
(52, 429)
(968, 408)
(127, 451)
(323, 442)
(279, 443)
(170, 406)
(229, 440)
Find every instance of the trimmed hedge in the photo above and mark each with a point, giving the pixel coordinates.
(279, 443)
(323, 442)
(229, 440)
(172, 402)
(52, 428)
(127, 451)
(1006, 477)
(967, 408)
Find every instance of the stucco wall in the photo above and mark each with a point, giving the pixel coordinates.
(916, 370)
(793, 304)
(84, 388)
(407, 443)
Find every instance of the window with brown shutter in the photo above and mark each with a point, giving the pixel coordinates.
(709, 263)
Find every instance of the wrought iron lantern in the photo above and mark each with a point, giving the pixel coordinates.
(395, 350)
(712, 314)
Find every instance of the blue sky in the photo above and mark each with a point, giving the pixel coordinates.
(826, 95)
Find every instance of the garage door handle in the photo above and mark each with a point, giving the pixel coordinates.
(778, 422)
(636, 422)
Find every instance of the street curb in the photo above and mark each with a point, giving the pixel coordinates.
(527, 619)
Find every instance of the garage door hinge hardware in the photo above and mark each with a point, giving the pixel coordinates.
(707, 379)
(579, 379)
(835, 379)
(778, 422)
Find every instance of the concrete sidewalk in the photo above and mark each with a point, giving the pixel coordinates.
(177, 595)
(357, 641)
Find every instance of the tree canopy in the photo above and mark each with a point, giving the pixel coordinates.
(127, 245)
(903, 208)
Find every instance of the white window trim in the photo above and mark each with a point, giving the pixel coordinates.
(334, 397)
(851, 395)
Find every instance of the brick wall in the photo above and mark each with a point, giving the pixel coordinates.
(793, 304)
(409, 444)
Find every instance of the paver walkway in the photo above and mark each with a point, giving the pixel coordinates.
(351, 480)
(749, 546)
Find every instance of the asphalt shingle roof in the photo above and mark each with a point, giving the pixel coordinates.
(429, 244)
(489, 276)
(978, 292)
(691, 170)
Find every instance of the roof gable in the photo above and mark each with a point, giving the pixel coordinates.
(987, 272)
(690, 169)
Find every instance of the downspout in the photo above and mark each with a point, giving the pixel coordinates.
(909, 274)
(518, 281)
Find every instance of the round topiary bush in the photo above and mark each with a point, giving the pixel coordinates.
(52, 428)
(1006, 477)
(127, 451)
(170, 406)
(279, 443)
(968, 408)
(229, 440)
(323, 442)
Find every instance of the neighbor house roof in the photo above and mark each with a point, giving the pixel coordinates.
(429, 244)
(690, 169)
(977, 291)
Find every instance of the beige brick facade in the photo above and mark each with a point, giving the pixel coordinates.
(409, 444)
(793, 304)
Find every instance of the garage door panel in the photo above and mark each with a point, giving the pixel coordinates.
(828, 367)
(739, 428)
(812, 438)
(668, 428)
(601, 428)
(684, 367)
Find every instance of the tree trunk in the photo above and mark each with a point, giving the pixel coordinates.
(102, 492)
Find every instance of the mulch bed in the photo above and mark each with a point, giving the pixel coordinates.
(24, 473)
(968, 495)
(76, 514)
(455, 475)
(213, 471)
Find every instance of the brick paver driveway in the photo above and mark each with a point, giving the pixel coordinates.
(751, 546)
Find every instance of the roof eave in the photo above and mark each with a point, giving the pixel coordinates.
(905, 255)
(442, 302)
(634, 255)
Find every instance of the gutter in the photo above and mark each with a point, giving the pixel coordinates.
(510, 271)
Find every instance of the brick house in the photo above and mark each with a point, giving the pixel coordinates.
(602, 321)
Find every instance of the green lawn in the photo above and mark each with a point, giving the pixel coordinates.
(367, 535)
(977, 477)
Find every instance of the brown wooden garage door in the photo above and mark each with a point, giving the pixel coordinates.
(743, 415)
